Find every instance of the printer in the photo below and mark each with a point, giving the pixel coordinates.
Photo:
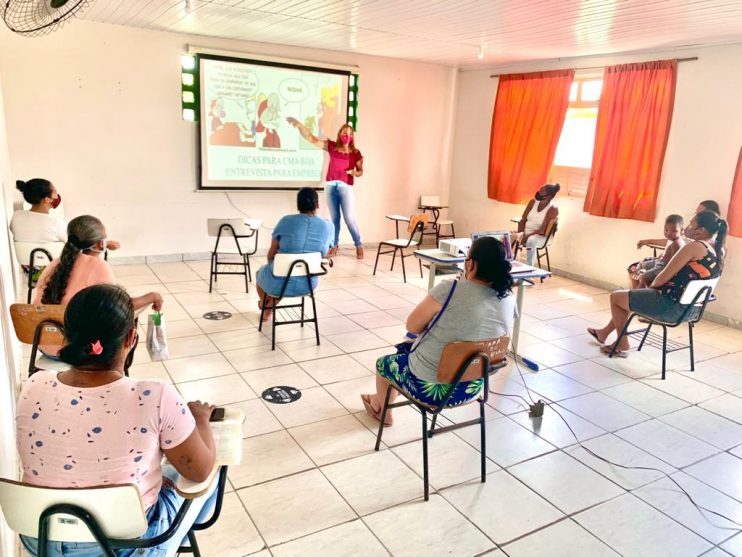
(455, 247)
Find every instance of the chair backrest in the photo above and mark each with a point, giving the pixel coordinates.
(416, 220)
(241, 226)
(456, 354)
(694, 287)
(551, 228)
(43, 253)
(27, 318)
(282, 264)
(117, 510)
(429, 201)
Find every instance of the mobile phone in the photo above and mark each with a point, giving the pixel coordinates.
(217, 414)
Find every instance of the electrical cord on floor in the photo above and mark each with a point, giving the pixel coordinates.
(537, 409)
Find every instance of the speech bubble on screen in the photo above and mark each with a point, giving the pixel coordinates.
(233, 82)
(293, 90)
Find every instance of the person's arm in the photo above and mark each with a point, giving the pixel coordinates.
(357, 172)
(194, 458)
(551, 214)
(273, 250)
(144, 300)
(423, 314)
(306, 134)
(113, 245)
(656, 241)
(689, 252)
(522, 223)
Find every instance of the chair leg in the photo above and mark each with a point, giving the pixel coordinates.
(315, 318)
(453, 231)
(548, 263)
(244, 268)
(262, 311)
(431, 431)
(378, 252)
(690, 346)
(394, 256)
(211, 273)
(302, 312)
(249, 270)
(194, 544)
(664, 350)
(273, 327)
(426, 480)
(383, 417)
(30, 290)
(483, 441)
(404, 274)
(420, 264)
(644, 338)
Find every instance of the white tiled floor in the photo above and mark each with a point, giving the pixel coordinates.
(311, 483)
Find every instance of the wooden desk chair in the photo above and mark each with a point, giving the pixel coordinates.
(432, 203)
(415, 228)
(237, 229)
(33, 257)
(695, 298)
(460, 361)
(543, 249)
(113, 517)
(294, 265)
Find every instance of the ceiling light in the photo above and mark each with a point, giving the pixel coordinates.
(480, 55)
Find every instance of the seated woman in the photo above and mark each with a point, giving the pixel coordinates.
(302, 233)
(481, 307)
(539, 212)
(37, 225)
(91, 426)
(698, 259)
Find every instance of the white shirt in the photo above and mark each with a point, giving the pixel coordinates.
(29, 226)
(535, 219)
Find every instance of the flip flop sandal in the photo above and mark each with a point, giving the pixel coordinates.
(606, 349)
(373, 413)
(593, 333)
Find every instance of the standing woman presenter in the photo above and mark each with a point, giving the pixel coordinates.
(346, 163)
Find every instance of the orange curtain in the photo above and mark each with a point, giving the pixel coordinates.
(634, 118)
(734, 214)
(528, 119)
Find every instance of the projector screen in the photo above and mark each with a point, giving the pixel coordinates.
(246, 142)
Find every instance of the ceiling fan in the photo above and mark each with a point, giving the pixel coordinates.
(33, 18)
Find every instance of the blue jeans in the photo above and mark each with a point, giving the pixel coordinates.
(159, 516)
(340, 196)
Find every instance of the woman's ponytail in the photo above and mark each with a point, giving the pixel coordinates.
(20, 185)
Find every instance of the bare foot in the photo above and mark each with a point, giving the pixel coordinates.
(359, 252)
(376, 414)
(595, 333)
(333, 251)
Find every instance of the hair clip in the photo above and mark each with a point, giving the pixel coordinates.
(96, 348)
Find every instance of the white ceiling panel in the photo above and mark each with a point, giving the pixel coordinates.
(444, 31)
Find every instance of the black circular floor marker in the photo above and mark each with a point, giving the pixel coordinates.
(281, 395)
(217, 315)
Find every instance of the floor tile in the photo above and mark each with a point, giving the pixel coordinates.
(306, 349)
(432, 528)
(706, 426)
(151, 370)
(375, 481)
(268, 457)
(565, 538)
(553, 385)
(728, 406)
(644, 398)
(334, 369)
(351, 538)
(664, 441)
(632, 527)
(552, 427)
(604, 411)
(348, 393)
(288, 508)
(258, 419)
(357, 341)
(290, 375)
(375, 319)
(592, 374)
(367, 358)
(565, 482)
(549, 355)
(243, 338)
(179, 329)
(217, 390)
(348, 307)
(315, 405)
(335, 439)
(198, 367)
(666, 496)
(233, 535)
(721, 471)
(336, 325)
(628, 466)
(256, 357)
(517, 511)
(682, 387)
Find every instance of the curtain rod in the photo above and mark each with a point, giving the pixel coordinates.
(691, 59)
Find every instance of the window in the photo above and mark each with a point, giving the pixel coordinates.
(574, 154)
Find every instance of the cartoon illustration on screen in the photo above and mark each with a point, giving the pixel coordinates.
(269, 119)
(248, 126)
(216, 113)
(327, 110)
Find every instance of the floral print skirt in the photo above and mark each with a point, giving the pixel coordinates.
(395, 368)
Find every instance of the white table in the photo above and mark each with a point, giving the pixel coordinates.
(523, 275)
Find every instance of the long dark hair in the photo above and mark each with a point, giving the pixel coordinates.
(35, 190)
(714, 224)
(492, 265)
(96, 323)
(82, 234)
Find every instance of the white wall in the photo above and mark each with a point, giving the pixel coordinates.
(9, 349)
(96, 109)
(699, 164)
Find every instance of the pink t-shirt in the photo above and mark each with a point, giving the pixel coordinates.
(86, 271)
(340, 163)
(108, 435)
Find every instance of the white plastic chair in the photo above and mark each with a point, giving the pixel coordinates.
(290, 265)
(35, 256)
(239, 229)
(433, 203)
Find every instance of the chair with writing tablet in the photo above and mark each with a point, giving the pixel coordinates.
(229, 260)
(33, 257)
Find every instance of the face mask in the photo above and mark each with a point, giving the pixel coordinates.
(104, 247)
(56, 202)
(345, 139)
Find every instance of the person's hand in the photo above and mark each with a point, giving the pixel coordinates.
(201, 410)
(112, 245)
(351, 172)
(293, 121)
(157, 301)
(640, 243)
